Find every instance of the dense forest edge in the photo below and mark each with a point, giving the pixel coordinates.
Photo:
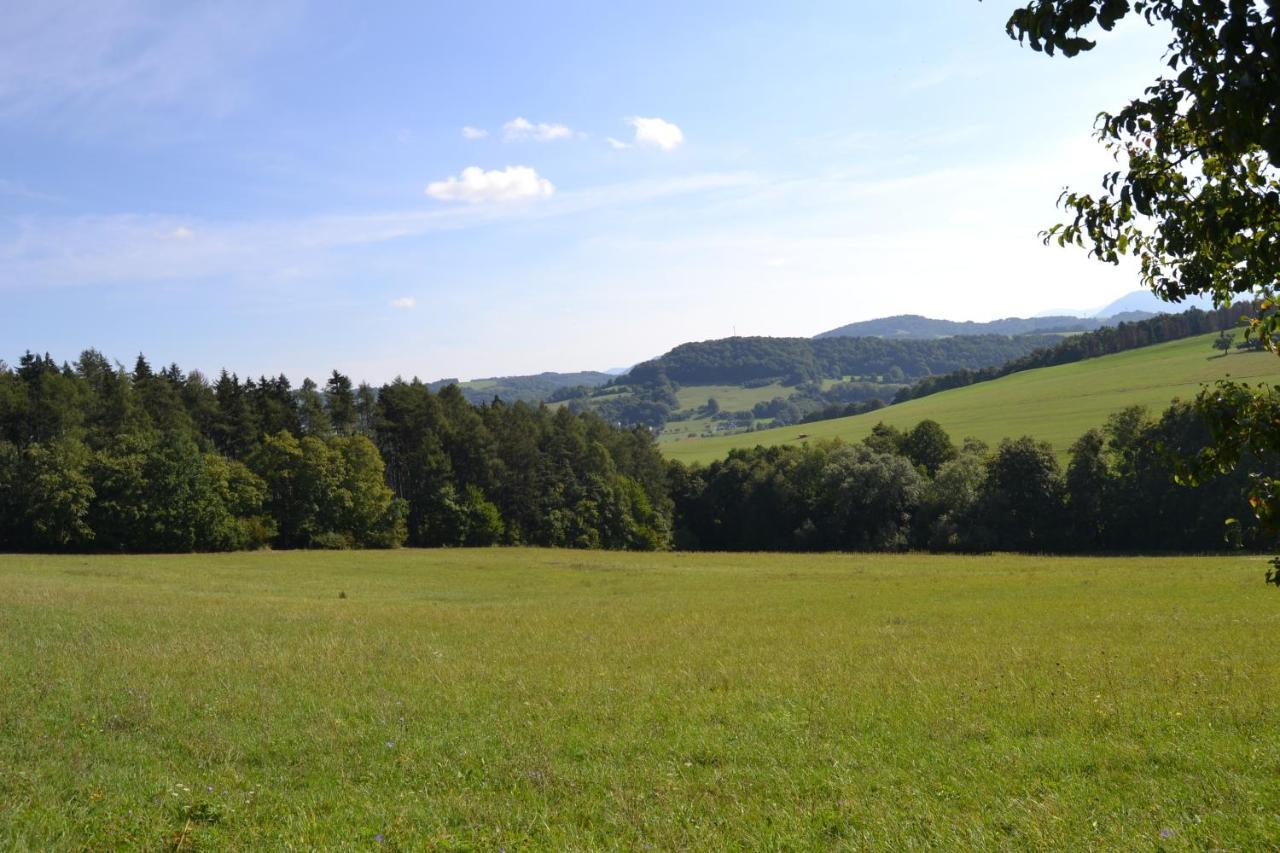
(95, 457)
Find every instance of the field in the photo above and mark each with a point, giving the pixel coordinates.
(1054, 404)
(732, 398)
(570, 700)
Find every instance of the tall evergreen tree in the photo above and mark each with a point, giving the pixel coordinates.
(340, 403)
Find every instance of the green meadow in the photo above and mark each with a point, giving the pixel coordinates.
(548, 699)
(732, 398)
(1054, 404)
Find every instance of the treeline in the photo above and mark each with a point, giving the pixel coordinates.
(97, 458)
(1106, 341)
(918, 489)
(94, 457)
(735, 361)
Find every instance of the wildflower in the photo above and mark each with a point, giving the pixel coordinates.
(1166, 833)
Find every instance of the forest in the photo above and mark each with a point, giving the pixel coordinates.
(732, 361)
(94, 457)
(97, 458)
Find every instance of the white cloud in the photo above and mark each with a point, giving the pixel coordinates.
(657, 132)
(616, 144)
(520, 129)
(404, 303)
(470, 132)
(477, 185)
(182, 232)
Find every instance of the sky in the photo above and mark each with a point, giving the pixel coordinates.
(476, 189)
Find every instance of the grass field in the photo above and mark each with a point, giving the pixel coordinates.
(732, 398)
(1054, 404)
(570, 700)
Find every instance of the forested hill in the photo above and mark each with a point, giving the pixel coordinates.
(528, 389)
(732, 361)
(909, 326)
(915, 326)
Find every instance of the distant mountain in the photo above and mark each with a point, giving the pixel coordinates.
(1148, 302)
(916, 327)
(530, 389)
(1139, 305)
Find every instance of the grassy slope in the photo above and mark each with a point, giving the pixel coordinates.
(571, 700)
(732, 398)
(1055, 404)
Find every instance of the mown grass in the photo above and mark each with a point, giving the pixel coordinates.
(1054, 404)
(570, 700)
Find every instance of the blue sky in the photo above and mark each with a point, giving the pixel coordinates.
(499, 188)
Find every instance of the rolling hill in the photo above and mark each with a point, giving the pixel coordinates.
(530, 389)
(917, 327)
(1055, 404)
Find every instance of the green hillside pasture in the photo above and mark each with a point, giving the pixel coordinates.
(732, 398)
(573, 700)
(1054, 404)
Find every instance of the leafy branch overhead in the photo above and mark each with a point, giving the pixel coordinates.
(1197, 197)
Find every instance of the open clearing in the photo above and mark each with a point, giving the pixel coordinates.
(732, 398)
(1054, 404)
(557, 699)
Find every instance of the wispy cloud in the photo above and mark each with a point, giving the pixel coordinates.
(404, 303)
(131, 248)
(965, 70)
(17, 189)
(520, 129)
(474, 185)
(62, 60)
(470, 132)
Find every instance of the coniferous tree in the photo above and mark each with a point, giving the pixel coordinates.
(340, 403)
(312, 417)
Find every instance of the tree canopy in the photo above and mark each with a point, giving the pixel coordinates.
(1196, 197)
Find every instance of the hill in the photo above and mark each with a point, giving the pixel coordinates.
(530, 389)
(1144, 301)
(1134, 306)
(1055, 404)
(733, 361)
(916, 327)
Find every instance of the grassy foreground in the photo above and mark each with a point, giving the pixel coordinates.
(521, 698)
(1054, 404)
